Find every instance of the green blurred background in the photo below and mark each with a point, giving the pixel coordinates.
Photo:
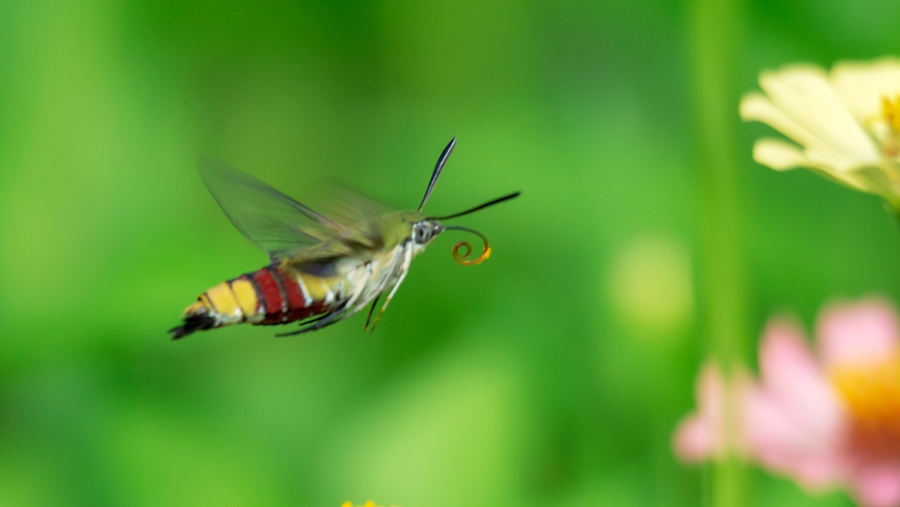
(552, 374)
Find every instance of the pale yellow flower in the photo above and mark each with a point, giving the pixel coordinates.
(845, 123)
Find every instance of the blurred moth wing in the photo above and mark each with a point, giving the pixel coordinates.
(275, 222)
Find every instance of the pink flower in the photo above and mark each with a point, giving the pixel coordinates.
(706, 434)
(829, 417)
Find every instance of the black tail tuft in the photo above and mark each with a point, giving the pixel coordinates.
(193, 322)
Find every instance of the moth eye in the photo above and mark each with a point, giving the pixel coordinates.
(422, 234)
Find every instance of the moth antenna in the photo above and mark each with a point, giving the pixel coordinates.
(442, 160)
(480, 206)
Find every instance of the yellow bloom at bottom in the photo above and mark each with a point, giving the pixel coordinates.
(370, 503)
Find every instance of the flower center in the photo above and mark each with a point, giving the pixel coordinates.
(885, 127)
(871, 394)
(891, 112)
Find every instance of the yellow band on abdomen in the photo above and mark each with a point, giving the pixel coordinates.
(246, 298)
(223, 301)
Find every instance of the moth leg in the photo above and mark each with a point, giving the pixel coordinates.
(314, 319)
(314, 325)
(371, 309)
(329, 318)
(387, 301)
(404, 269)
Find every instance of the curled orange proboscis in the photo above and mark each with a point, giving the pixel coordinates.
(464, 257)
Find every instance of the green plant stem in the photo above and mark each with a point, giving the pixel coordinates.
(714, 33)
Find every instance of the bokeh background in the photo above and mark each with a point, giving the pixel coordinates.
(552, 374)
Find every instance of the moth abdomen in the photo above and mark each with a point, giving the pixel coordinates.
(268, 296)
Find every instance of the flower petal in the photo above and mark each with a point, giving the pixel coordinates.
(781, 444)
(878, 486)
(863, 85)
(699, 436)
(779, 155)
(782, 156)
(791, 377)
(858, 334)
(694, 440)
(755, 106)
(803, 93)
(792, 419)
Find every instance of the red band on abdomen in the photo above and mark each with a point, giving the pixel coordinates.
(271, 293)
(297, 307)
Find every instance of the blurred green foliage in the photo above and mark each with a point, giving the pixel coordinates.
(522, 381)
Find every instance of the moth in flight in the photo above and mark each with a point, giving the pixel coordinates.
(322, 270)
